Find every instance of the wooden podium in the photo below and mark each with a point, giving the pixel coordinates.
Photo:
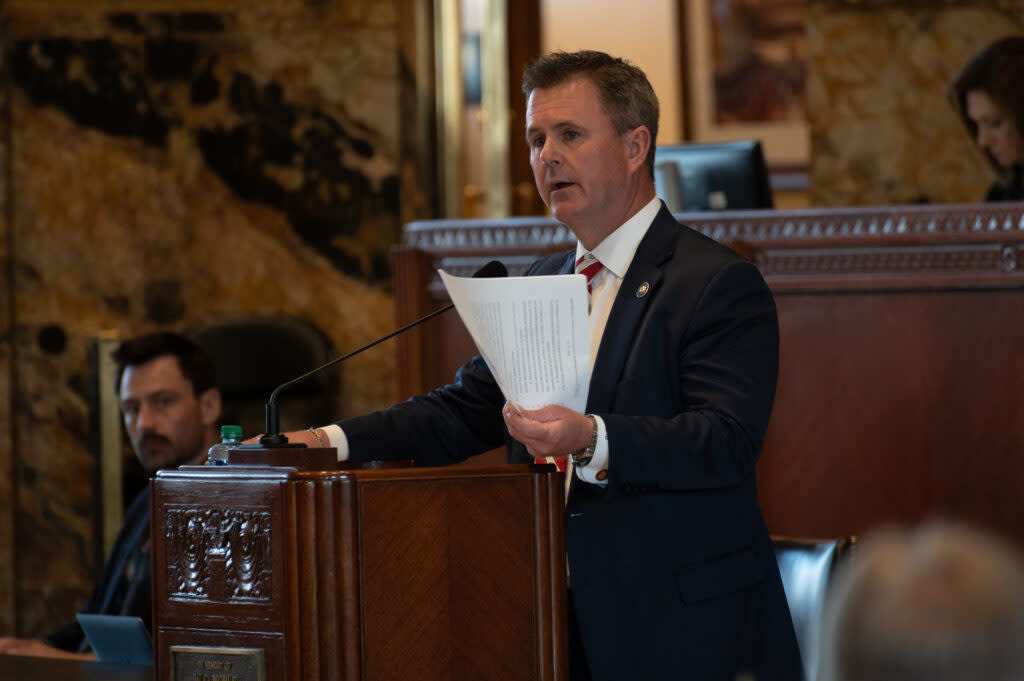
(280, 574)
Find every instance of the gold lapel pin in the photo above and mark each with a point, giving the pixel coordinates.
(642, 291)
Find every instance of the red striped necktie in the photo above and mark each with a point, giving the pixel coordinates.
(588, 266)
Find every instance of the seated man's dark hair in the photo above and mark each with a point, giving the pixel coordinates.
(195, 364)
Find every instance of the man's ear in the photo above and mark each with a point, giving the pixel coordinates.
(639, 143)
(210, 406)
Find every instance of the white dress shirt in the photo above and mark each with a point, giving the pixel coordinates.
(615, 254)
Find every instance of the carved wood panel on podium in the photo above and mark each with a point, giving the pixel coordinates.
(448, 574)
(902, 352)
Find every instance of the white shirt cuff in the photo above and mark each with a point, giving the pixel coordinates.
(336, 436)
(596, 472)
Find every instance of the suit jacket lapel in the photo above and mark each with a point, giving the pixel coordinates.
(655, 248)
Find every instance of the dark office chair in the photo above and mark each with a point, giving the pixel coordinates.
(806, 566)
(254, 355)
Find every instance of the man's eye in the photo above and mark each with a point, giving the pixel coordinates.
(538, 142)
(571, 134)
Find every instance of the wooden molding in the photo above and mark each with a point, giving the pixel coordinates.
(968, 245)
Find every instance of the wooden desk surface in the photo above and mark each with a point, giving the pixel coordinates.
(20, 668)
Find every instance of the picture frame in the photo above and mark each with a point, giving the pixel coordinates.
(752, 105)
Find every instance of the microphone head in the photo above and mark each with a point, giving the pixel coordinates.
(492, 270)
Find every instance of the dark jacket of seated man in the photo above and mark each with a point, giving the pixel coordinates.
(124, 588)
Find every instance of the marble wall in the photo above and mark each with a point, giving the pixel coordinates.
(168, 168)
(7, 483)
(882, 130)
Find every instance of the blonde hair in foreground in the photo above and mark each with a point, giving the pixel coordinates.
(944, 602)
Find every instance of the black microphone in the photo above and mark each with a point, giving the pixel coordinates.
(273, 439)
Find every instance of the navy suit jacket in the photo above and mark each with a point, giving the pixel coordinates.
(672, 570)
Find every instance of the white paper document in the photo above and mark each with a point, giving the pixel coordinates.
(533, 333)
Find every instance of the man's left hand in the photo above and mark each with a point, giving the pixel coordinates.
(549, 431)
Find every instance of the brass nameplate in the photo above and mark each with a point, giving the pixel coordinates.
(200, 663)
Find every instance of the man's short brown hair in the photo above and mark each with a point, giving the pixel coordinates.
(624, 91)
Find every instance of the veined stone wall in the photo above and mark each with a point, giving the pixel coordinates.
(170, 164)
(7, 481)
(882, 130)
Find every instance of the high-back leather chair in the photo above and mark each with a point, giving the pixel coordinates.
(254, 355)
(806, 566)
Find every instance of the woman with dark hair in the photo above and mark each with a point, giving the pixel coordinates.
(989, 96)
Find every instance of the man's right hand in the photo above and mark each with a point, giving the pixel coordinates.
(305, 437)
(33, 647)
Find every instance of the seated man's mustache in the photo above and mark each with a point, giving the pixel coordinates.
(152, 438)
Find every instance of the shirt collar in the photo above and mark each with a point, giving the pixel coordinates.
(617, 249)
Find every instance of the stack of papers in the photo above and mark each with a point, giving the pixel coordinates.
(533, 332)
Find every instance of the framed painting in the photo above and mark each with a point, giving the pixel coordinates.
(745, 74)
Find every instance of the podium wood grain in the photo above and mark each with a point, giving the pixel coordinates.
(400, 573)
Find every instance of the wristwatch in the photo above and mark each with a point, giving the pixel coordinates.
(582, 457)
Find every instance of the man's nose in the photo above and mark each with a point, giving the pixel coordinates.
(146, 417)
(984, 138)
(550, 154)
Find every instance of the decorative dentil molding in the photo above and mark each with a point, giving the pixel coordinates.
(975, 239)
(807, 224)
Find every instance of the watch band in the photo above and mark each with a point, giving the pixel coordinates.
(582, 457)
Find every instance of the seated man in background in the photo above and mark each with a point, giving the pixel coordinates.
(170, 405)
(942, 603)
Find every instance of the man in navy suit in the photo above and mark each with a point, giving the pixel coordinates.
(671, 567)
